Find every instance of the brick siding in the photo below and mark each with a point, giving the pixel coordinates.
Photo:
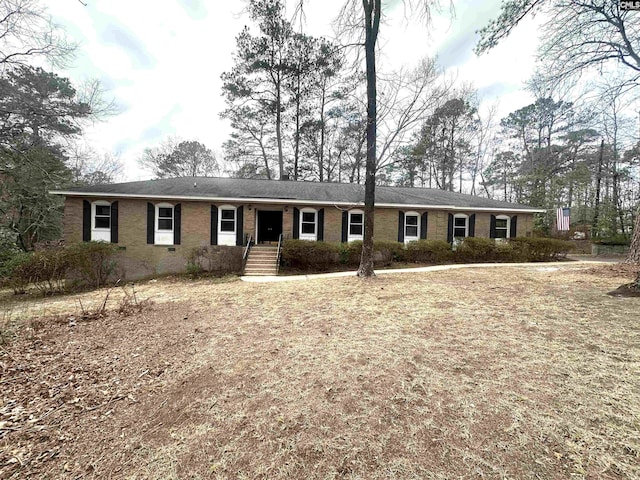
(141, 260)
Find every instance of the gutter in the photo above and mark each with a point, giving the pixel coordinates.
(279, 201)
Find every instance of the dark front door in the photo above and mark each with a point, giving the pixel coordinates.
(269, 226)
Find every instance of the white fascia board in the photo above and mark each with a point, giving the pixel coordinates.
(281, 201)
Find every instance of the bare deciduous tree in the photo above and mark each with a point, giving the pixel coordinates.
(26, 32)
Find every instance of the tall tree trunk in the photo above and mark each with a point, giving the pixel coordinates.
(279, 127)
(595, 229)
(634, 249)
(296, 153)
(372, 13)
(265, 159)
(322, 132)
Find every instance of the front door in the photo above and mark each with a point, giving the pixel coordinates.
(269, 226)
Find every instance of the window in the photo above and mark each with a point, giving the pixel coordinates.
(165, 218)
(502, 226)
(101, 221)
(308, 224)
(102, 217)
(460, 226)
(411, 226)
(227, 222)
(164, 224)
(356, 225)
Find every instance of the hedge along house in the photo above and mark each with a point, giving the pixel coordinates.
(156, 223)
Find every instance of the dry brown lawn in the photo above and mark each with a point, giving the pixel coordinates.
(489, 373)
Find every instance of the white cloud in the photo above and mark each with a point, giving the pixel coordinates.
(163, 61)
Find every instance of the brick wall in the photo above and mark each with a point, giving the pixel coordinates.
(140, 260)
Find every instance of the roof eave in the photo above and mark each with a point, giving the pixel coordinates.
(280, 201)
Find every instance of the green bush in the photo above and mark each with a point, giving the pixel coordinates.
(307, 255)
(349, 253)
(540, 249)
(429, 251)
(16, 272)
(384, 252)
(476, 250)
(506, 252)
(91, 263)
(8, 251)
(614, 240)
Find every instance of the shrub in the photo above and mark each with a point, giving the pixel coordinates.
(307, 255)
(387, 252)
(540, 249)
(506, 252)
(350, 252)
(91, 263)
(384, 252)
(475, 250)
(8, 251)
(614, 240)
(45, 269)
(429, 251)
(16, 272)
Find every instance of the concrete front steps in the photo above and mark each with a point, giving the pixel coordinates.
(262, 260)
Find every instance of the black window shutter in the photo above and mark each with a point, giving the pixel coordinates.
(400, 226)
(492, 227)
(450, 229)
(114, 222)
(321, 225)
(151, 220)
(177, 223)
(86, 221)
(345, 226)
(214, 225)
(513, 229)
(239, 226)
(423, 225)
(472, 225)
(296, 223)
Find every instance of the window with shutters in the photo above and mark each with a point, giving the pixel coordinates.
(164, 224)
(356, 225)
(503, 224)
(460, 225)
(227, 220)
(101, 221)
(411, 227)
(308, 224)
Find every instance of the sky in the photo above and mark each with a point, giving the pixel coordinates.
(161, 61)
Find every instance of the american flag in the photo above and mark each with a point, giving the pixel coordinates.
(563, 219)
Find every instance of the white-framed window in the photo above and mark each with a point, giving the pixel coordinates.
(503, 225)
(101, 221)
(460, 225)
(227, 223)
(411, 227)
(164, 224)
(308, 224)
(356, 225)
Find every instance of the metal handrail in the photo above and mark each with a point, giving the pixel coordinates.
(278, 257)
(247, 248)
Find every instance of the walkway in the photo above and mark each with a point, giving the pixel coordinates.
(434, 268)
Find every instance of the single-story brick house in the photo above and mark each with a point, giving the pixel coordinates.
(157, 222)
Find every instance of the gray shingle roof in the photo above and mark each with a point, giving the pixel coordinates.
(338, 193)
